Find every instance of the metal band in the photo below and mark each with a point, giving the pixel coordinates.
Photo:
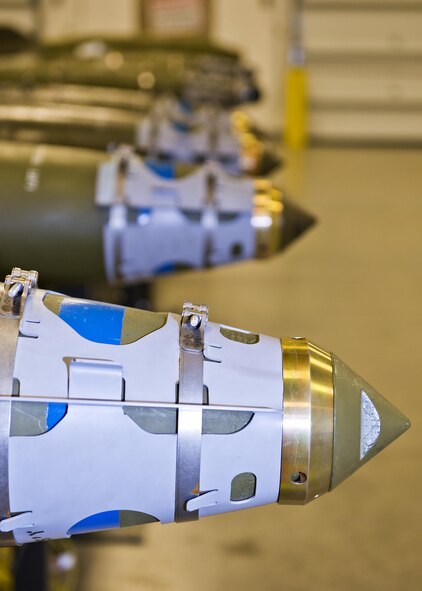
(267, 218)
(191, 394)
(15, 291)
(308, 420)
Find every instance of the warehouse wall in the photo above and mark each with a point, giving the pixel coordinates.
(69, 17)
(258, 28)
(363, 61)
(365, 70)
(20, 16)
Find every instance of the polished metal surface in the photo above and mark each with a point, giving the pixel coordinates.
(322, 422)
(296, 422)
(308, 422)
(267, 218)
(189, 421)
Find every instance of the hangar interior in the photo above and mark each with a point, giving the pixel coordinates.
(334, 127)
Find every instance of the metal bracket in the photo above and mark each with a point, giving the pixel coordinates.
(189, 423)
(16, 289)
(14, 293)
(127, 174)
(95, 379)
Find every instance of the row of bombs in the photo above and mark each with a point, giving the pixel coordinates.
(167, 183)
(194, 70)
(32, 81)
(218, 418)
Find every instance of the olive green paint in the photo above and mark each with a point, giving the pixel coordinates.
(247, 338)
(225, 422)
(133, 101)
(130, 518)
(53, 303)
(146, 43)
(243, 487)
(67, 125)
(169, 64)
(348, 387)
(155, 420)
(49, 219)
(163, 421)
(28, 418)
(139, 323)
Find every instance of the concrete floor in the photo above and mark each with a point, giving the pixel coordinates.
(352, 285)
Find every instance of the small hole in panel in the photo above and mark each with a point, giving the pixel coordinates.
(237, 250)
(298, 478)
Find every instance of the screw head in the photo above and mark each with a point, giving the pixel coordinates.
(194, 321)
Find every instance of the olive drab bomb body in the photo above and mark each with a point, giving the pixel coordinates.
(130, 222)
(111, 416)
(73, 94)
(164, 133)
(206, 74)
(86, 46)
(69, 125)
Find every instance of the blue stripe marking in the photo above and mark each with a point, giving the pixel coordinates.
(97, 522)
(55, 412)
(186, 106)
(164, 169)
(100, 323)
(165, 268)
(180, 126)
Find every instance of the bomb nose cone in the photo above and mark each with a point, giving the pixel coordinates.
(333, 422)
(364, 422)
(295, 222)
(269, 162)
(277, 221)
(250, 94)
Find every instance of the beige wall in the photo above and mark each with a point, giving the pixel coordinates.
(69, 17)
(364, 64)
(258, 29)
(21, 18)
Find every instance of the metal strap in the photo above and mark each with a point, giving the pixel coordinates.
(189, 424)
(15, 291)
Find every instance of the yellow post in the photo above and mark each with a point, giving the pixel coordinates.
(296, 107)
(295, 83)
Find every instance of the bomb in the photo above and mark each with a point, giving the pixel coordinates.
(111, 416)
(84, 216)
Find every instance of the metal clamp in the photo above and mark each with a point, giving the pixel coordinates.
(16, 288)
(191, 394)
